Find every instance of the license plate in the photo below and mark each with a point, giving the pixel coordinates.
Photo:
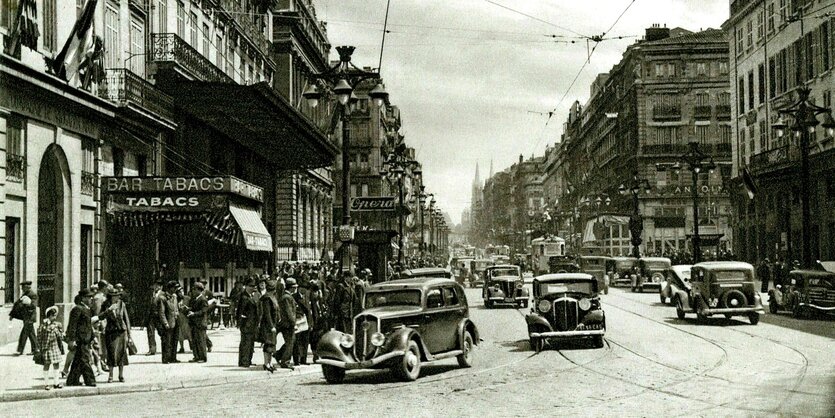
(509, 299)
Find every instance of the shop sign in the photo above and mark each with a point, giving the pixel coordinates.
(714, 190)
(373, 204)
(197, 185)
(164, 203)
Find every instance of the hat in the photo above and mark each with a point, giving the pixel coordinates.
(26, 283)
(199, 285)
(119, 286)
(158, 282)
(270, 284)
(51, 309)
(85, 293)
(115, 292)
(103, 284)
(173, 284)
(250, 282)
(290, 282)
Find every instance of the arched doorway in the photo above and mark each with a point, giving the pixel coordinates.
(51, 223)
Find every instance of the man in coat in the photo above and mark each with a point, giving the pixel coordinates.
(212, 301)
(198, 308)
(248, 323)
(287, 324)
(151, 319)
(167, 312)
(80, 336)
(27, 306)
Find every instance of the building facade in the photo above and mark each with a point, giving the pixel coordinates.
(777, 47)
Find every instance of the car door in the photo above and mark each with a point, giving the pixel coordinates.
(431, 331)
(455, 309)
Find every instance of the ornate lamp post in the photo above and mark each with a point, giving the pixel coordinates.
(803, 121)
(395, 167)
(343, 77)
(634, 186)
(696, 161)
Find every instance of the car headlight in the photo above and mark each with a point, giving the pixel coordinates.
(584, 304)
(346, 340)
(544, 306)
(378, 339)
(519, 285)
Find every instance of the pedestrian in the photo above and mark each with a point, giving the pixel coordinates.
(26, 310)
(287, 324)
(262, 286)
(764, 274)
(211, 301)
(116, 334)
(52, 347)
(317, 322)
(70, 349)
(344, 300)
(248, 323)
(234, 299)
(167, 313)
(150, 320)
(198, 308)
(183, 328)
(98, 303)
(267, 323)
(302, 327)
(80, 338)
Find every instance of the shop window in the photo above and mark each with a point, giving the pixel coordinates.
(12, 252)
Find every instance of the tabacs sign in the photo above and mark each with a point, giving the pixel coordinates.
(373, 204)
(180, 185)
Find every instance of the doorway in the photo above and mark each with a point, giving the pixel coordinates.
(51, 224)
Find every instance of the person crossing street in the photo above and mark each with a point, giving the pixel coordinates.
(26, 310)
(248, 323)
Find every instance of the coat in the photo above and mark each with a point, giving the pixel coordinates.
(287, 312)
(80, 326)
(248, 318)
(267, 312)
(29, 311)
(167, 310)
(198, 312)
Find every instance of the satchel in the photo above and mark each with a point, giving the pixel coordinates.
(132, 347)
(38, 358)
(18, 311)
(301, 324)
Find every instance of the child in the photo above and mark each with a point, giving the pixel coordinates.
(51, 336)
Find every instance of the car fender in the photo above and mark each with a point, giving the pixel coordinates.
(399, 340)
(329, 347)
(685, 300)
(491, 292)
(467, 325)
(535, 320)
(596, 316)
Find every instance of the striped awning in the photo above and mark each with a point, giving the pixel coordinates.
(252, 232)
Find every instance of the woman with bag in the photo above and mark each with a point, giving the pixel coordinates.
(268, 321)
(117, 334)
(51, 341)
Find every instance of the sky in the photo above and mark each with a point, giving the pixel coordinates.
(475, 81)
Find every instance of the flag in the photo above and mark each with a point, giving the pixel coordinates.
(24, 31)
(748, 182)
(67, 63)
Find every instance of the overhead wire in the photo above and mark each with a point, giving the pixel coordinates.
(536, 18)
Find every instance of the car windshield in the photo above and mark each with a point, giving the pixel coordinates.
(566, 286)
(683, 274)
(409, 297)
(504, 272)
(731, 276)
(656, 265)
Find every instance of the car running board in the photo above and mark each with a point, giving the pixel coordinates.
(446, 355)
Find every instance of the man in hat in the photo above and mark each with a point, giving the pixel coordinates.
(248, 323)
(167, 312)
(198, 308)
(26, 310)
(287, 324)
(98, 302)
(151, 319)
(80, 336)
(212, 301)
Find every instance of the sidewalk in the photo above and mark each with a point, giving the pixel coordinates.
(22, 379)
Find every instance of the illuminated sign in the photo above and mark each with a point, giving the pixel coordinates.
(159, 185)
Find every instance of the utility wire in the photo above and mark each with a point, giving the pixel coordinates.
(383, 43)
(536, 18)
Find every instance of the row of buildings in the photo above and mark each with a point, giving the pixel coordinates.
(170, 139)
(719, 88)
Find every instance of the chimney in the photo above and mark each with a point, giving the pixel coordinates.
(520, 158)
(656, 33)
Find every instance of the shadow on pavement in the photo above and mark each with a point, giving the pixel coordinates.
(820, 325)
(518, 346)
(384, 376)
(712, 321)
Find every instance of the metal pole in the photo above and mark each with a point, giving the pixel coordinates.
(346, 173)
(805, 211)
(400, 220)
(422, 242)
(697, 250)
(636, 250)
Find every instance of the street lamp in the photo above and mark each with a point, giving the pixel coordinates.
(803, 117)
(597, 202)
(394, 168)
(343, 76)
(696, 161)
(634, 186)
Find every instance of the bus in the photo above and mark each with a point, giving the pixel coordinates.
(542, 249)
(498, 253)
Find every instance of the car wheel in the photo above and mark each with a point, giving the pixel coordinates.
(488, 304)
(465, 359)
(772, 306)
(537, 343)
(663, 298)
(679, 309)
(598, 341)
(409, 367)
(797, 311)
(333, 374)
(606, 290)
(754, 318)
(699, 315)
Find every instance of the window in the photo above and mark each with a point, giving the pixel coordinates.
(666, 135)
(760, 28)
(770, 17)
(50, 25)
(112, 58)
(206, 40)
(798, 63)
(365, 189)
(703, 134)
(826, 42)
(8, 8)
(118, 162)
(763, 136)
(772, 87)
(192, 28)
(353, 190)
(434, 299)
(702, 99)
(86, 254)
(14, 137)
(742, 153)
(671, 70)
(749, 34)
(137, 46)
(701, 69)
(181, 20)
(450, 296)
(219, 48)
(740, 85)
(725, 134)
(784, 10)
(88, 155)
(230, 58)
(659, 70)
(740, 42)
(162, 16)
(12, 252)
(761, 83)
(750, 90)
(363, 160)
(724, 98)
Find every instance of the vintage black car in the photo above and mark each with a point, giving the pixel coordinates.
(651, 273)
(720, 288)
(597, 267)
(808, 291)
(676, 278)
(504, 285)
(425, 272)
(404, 323)
(562, 264)
(565, 306)
(623, 270)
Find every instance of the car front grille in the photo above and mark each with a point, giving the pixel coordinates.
(822, 297)
(364, 327)
(507, 288)
(565, 314)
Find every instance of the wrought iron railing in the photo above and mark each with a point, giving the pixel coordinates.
(775, 159)
(663, 149)
(723, 112)
(15, 168)
(88, 183)
(244, 19)
(702, 112)
(666, 112)
(168, 47)
(124, 87)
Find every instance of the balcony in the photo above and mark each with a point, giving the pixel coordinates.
(15, 168)
(775, 159)
(664, 149)
(126, 88)
(723, 112)
(702, 112)
(243, 18)
(666, 112)
(88, 183)
(170, 48)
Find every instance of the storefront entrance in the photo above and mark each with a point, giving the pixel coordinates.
(52, 215)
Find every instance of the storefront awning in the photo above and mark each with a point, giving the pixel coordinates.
(257, 117)
(254, 233)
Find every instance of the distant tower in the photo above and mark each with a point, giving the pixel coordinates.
(475, 197)
(491, 169)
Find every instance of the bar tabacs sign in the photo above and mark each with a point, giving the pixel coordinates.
(373, 204)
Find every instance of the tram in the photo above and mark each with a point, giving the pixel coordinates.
(542, 249)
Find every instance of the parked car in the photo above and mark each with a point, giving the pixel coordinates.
(565, 306)
(720, 287)
(676, 278)
(504, 284)
(810, 290)
(597, 267)
(623, 270)
(424, 272)
(651, 273)
(404, 324)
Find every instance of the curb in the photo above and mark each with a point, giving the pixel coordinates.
(111, 389)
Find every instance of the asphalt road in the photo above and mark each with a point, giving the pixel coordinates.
(652, 365)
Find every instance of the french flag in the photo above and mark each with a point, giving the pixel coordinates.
(66, 64)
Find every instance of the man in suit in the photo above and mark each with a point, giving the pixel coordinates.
(248, 323)
(198, 307)
(151, 319)
(167, 312)
(212, 301)
(80, 336)
(28, 303)
(287, 324)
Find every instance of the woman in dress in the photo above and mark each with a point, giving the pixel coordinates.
(51, 341)
(267, 323)
(117, 334)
